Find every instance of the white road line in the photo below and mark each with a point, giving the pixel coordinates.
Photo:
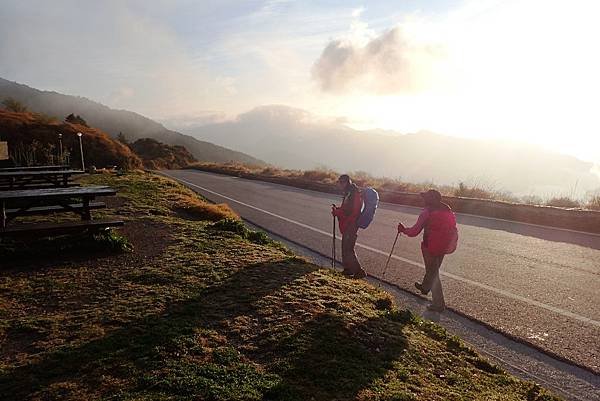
(505, 293)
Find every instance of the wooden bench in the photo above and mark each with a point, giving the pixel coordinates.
(40, 230)
(55, 200)
(42, 210)
(30, 202)
(35, 168)
(38, 185)
(21, 179)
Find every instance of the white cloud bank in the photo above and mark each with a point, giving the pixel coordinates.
(393, 62)
(524, 70)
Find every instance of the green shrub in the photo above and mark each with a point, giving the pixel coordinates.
(105, 241)
(231, 225)
(239, 228)
(385, 302)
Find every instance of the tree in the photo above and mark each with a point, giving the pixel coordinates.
(122, 138)
(76, 119)
(14, 105)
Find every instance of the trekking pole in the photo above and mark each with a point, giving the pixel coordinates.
(333, 245)
(390, 257)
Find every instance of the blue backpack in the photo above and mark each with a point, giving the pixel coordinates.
(371, 200)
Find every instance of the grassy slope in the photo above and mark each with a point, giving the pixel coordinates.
(211, 311)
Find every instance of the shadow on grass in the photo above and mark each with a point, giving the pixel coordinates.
(72, 250)
(187, 351)
(328, 359)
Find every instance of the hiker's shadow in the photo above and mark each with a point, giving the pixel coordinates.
(138, 340)
(334, 360)
(328, 356)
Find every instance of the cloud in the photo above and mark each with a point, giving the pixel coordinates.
(391, 63)
(125, 57)
(357, 12)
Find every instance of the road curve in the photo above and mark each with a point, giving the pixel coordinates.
(530, 282)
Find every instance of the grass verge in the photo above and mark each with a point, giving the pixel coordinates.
(212, 311)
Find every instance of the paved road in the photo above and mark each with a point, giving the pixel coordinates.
(519, 279)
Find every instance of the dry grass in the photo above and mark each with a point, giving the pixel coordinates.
(169, 199)
(593, 202)
(202, 210)
(320, 175)
(475, 191)
(324, 175)
(213, 311)
(35, 135)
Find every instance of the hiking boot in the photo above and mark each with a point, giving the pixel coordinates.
(360, 274)
(419, 287)
(437, 309)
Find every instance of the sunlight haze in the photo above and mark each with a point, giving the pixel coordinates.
(510, 70)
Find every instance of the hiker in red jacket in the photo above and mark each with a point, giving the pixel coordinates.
(440, 238)
(348, 214)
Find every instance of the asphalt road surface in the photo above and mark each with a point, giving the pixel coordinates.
(537, 284)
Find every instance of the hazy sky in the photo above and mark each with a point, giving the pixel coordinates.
(523, 69)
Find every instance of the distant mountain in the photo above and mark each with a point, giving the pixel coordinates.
(134, 126)
(292, 138)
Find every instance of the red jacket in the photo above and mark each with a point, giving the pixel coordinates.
(440, 236)
(350, 209)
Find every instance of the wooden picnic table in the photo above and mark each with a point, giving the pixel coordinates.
(35, 168)
(21, 179)
(39, 201)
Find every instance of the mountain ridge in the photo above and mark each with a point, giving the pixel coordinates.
(114, 121)
(292, 138)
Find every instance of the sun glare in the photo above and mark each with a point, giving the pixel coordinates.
(522, 71)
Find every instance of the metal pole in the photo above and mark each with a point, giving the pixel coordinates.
(60, 155)
(333, 246)
(390, 257)
(79, 134)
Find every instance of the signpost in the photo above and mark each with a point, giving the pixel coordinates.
(3, 150)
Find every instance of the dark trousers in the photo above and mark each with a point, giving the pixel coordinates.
(349, 259)
(431, 281)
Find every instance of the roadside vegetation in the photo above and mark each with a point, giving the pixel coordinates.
(33, 139)
(202, 308)
(463, 190)
(156, 155)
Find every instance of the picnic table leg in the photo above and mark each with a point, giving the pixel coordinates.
(86, 215)
(3, 214)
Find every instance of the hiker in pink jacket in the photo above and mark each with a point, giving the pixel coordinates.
(439, 239)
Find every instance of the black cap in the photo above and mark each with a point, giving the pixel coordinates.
(344, 178)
